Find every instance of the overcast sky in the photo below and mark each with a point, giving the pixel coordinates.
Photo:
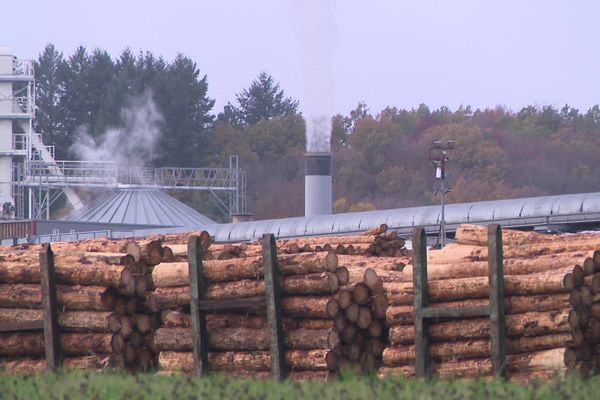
(333, 54)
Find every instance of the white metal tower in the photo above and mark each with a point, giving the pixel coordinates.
(16, 109)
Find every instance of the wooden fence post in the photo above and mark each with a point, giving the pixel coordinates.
(273, 300)
(496, 279)
(50, 308)
(197, 294)
(421, 301)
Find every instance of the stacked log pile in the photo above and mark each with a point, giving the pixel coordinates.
(238, 343)
(101, 288)
(552, 320)
(332, 318)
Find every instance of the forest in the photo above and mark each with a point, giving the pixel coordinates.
(380, 156)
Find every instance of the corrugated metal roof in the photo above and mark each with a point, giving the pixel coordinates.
(139, 207)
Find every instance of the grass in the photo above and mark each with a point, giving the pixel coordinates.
(87, 385)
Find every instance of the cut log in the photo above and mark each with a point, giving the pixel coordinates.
(182, 238)
(69, 297)
(298, 360)
(377, 230)
(172, 297)
(177, 274)
(352, 312)
(242, 339)
(87, 321)
(546, 360)
(32, 344)
(333, 308)
(360, 294)
(360, 263)
(32, 366)
(456, 253)
(527, 324)
(514, 266)
(478, 235)
(394, 356)
(343, 275)
(557, 281)
(365, 318)
(345, 298)
(403, 315)
(148, 250)
(69, 271)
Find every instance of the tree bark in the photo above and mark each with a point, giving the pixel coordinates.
(29, 366)
(478, 235)
(457, 253)
(546, 360)
(177, 274)
(527, 324)
(32, 344)
(77, 321)
(243, 339)
(69, 297)
(557, 281)
(69, 271)
(402, 315)
(394, 356)
(248, 361)
(311, 284)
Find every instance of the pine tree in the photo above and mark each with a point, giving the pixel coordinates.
(263, 100)
(49, 90)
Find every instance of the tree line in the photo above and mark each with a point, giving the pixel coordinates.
(380, 158)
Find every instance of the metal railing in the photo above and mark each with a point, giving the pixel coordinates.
(108, 173)
(19, 104)
(19, 141)
(23, 67)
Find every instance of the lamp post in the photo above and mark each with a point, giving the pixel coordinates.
(438, 157)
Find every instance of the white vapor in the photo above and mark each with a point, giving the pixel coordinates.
(130, 145)
(316, 29)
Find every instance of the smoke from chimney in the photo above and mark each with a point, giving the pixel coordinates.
(316, 30)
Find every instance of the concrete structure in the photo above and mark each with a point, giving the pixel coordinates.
(317, 184)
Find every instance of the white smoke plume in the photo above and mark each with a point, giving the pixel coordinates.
(316, 29)
(130, 145)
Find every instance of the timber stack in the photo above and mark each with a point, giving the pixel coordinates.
(101, 288)
(376, 242)
(332, 318)
(238, 342)
(552, 295)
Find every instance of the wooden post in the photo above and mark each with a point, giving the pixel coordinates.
(274, 318)
(496, 278)
(197, 291)
(50, 307)
(421, 301)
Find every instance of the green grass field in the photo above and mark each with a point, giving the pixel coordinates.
(69, 385)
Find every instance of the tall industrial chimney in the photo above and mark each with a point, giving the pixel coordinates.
(317, 184)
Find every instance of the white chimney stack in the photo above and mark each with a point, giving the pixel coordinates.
(317, 184)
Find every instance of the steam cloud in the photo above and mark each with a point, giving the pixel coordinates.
(132, 144)
(316, 29)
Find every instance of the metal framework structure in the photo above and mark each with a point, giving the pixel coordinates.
(39, 180)
(46, 181)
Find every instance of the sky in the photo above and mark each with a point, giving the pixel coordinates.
(333, 54)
